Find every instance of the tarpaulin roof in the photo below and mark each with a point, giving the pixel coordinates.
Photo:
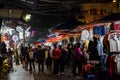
(113, 16)
(55, 39)
(67, 25)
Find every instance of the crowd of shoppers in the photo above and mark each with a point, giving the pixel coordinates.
(56, 60)
(75, 57)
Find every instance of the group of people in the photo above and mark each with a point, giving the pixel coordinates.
(56, 59)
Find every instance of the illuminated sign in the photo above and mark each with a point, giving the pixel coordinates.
(15, 38)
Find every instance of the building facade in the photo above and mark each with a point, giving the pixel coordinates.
(94, 11)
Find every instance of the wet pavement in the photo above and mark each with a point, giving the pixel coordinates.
(21, 74)
(18, 74)
(49, 76)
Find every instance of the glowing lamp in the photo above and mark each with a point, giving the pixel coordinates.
(27, 17)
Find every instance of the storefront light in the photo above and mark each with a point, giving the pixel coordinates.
(74, 42)
(10, 32)
(60, 43)
(27, 17)
(114, 0)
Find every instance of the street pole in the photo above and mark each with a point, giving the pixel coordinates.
(24, 41)
(0, 29)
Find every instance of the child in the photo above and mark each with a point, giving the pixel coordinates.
(88, 69)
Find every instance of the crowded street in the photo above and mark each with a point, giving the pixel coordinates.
(59, 39)
(20, 74)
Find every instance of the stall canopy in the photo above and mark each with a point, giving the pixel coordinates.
(113, 16)
(55, 39)
(68, 25)
(105, 20)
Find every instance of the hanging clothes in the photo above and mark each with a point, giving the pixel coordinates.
(112, 65)
(100, 48)
(117, 60)
(118, 41)
(87, 44)
(90, 34)
(118, 45)
(113, 43)
(85, 35)
(99, 30)
(116, 25)
(108, 26)
(106, 42)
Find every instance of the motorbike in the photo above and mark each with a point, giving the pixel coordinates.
(4, 69)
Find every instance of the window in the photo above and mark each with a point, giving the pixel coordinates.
(93, 11)
(108, 8)
(119, 7)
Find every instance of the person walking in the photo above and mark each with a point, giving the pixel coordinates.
(22, 55)
(63, 59)
(16, 56)
(31, 60)
(41, 58)
(48, 59)
(56, 53)
(80, 58)
(26, 58)
(10, 53)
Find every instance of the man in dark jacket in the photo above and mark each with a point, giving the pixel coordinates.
(41, 58)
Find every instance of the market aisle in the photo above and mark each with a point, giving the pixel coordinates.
(18, 74)
(49, 76)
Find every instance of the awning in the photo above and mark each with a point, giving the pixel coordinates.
(55, 39)
(106, 20)
(67, 25)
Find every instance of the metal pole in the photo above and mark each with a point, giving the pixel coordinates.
(24, 41)
(0, 30)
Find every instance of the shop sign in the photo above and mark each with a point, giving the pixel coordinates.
(19, 29)
(15, 38)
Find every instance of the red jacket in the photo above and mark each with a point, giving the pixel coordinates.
(56, 53)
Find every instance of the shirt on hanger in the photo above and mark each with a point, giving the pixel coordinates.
(100, 48)
(90, 34)
(99, 30)
(113, 43)
(117, 25)
(118, 45)
(85, 35)
(117, 60)
(87, 43)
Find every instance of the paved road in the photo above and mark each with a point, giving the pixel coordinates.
(20, 74)
(48, 76)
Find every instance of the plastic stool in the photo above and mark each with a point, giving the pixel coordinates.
(90, 77)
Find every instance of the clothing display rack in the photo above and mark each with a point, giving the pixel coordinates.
(114, 30)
